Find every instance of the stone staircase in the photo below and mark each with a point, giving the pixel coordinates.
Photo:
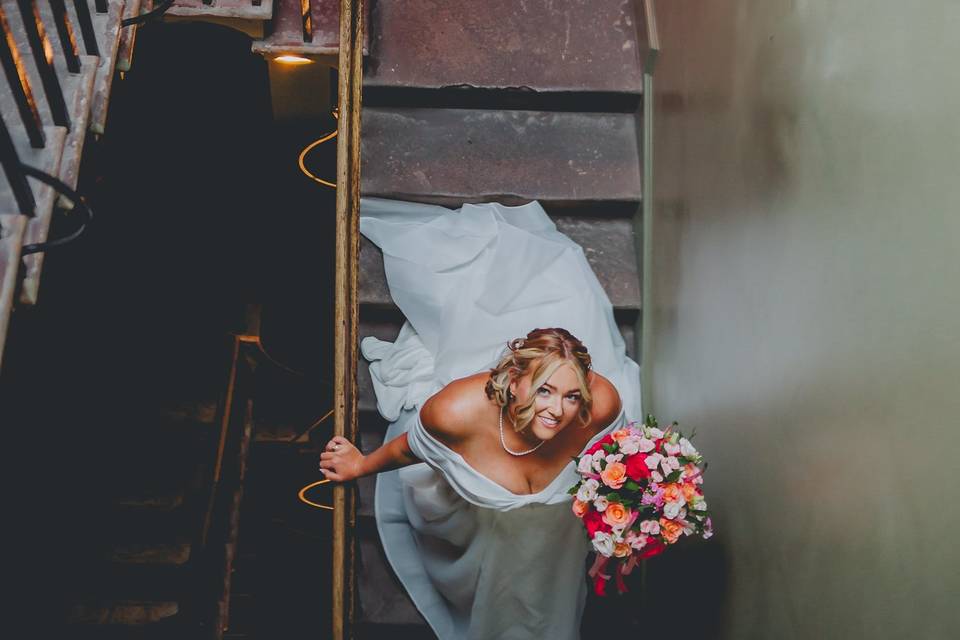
(142, 575)
(506, 101)
(59, 60)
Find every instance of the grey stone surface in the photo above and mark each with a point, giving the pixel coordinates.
(382, 598)
(451, 156)
(107, 26)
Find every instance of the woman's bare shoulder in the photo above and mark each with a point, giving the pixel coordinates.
(606, 402)
(451, 414)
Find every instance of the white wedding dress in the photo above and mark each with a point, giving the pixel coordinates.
(479, 561)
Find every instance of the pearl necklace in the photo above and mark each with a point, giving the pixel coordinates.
(503, 442)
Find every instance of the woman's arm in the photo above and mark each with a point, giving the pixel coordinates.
(342, 461)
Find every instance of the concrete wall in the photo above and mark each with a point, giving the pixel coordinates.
(806, 313)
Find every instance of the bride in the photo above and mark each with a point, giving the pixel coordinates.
(481, 535)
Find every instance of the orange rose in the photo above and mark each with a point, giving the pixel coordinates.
(670, 530)
(616, 515)
(672, 492)
(621, 549)
(580, 508)
(614, 475)
(620, 434)
(690, 492)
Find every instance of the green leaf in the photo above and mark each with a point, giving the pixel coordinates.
(630, 485)
(573, 490)
(673, 477)
(613, 496)
(609, 448)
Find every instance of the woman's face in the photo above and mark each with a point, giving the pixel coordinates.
(556, 402)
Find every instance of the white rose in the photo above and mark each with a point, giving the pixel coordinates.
(687, 449)
(600, 503)
(603, 543)
(588, 490)
(669, 464)
(630, 445)
(700, 505)
(672, 449)
(672, 509)
(656, 476)
(654, 433)
(598, 457)
(585, 465)
(614, 457)
(650, 526)
(653, 460)
(646, 445)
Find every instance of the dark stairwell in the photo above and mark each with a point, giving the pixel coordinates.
(110, 384)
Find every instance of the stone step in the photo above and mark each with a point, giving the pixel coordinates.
(608, 245)
(128, 35)
(373, 631)
(107, 28)
(242, 9)
(12, 228)
(128, 613)
(382, 597)
(585, 163)
(36, 228)
(546, 54)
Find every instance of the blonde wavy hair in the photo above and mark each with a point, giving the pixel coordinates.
(543, 351)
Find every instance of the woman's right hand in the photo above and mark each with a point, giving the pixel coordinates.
(341, 460)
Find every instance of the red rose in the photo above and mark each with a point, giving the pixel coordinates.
(593, 521)
(597, 446)
(637, 468)
(654, 547)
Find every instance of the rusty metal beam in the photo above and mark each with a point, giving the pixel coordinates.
(347, 310)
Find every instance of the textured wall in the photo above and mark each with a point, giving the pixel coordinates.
(807, 311)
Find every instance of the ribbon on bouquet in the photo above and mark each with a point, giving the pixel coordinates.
(623, 568)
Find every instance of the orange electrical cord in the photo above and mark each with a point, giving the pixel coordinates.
(313, 145)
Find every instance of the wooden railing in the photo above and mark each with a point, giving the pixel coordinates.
(347, 310)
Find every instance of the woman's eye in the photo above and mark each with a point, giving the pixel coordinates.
(574, 398)
(543, 391)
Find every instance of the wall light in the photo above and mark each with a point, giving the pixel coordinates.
(292, 59)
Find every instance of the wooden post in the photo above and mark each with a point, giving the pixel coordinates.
(347, 310)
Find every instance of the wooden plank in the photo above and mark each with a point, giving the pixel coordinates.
(346, 313)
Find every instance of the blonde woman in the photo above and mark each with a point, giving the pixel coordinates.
(471, 502)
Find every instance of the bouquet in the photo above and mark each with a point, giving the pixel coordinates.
(639, 493)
